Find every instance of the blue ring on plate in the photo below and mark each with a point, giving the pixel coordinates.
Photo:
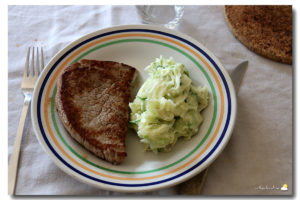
(122, 31)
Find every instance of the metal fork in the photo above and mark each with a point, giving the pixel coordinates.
(30, 77)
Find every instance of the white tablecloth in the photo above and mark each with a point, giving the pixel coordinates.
(259, 154)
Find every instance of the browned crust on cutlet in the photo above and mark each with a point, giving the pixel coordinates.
(266, 30)
(92, 101)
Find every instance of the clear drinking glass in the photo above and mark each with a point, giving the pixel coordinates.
(162, 15)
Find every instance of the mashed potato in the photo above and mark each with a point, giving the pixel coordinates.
(167, 106)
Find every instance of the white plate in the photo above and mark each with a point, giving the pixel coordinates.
(138, 45)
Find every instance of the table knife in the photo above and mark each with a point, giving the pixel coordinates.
(237, 75)
(194, 186)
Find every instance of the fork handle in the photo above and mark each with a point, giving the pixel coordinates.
(14, 158)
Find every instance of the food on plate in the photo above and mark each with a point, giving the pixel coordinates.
(92, 102)
(167, 106)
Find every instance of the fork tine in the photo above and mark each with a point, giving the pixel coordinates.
(36, 74)
(32, 63)
(26, 63)
(42, 59)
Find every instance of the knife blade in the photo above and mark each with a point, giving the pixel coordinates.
(237, 75)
